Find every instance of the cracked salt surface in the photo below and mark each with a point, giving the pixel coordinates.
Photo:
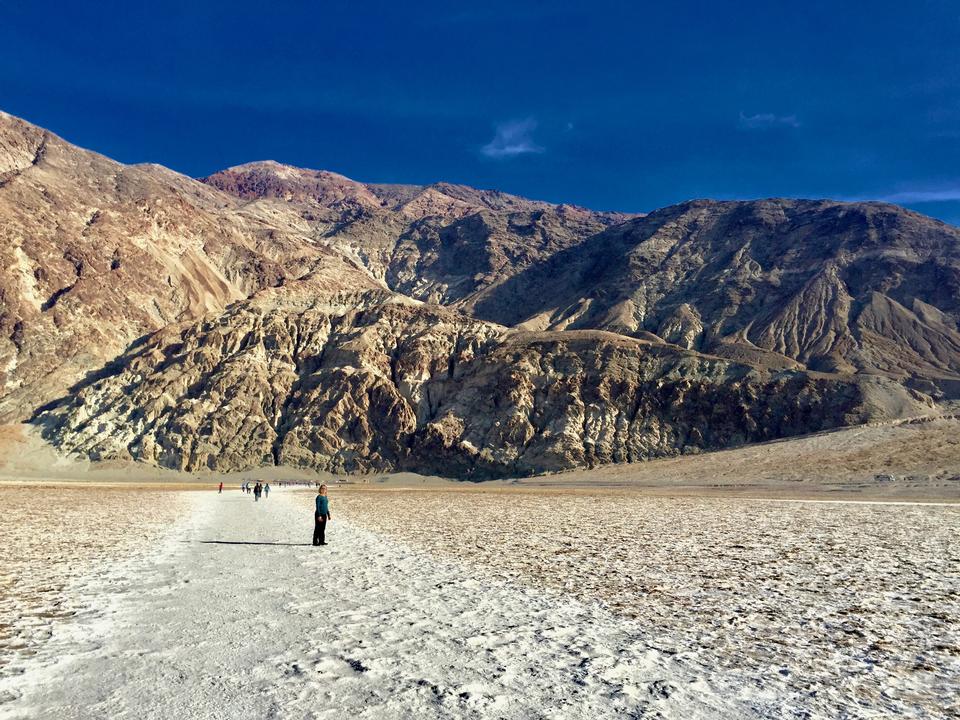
(830, 608)
(58, 546)
(403, 615)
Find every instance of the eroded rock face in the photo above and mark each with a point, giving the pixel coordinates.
(271, 314)
(376, 383)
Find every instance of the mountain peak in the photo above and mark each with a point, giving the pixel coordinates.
(21, 145)
(271, 179)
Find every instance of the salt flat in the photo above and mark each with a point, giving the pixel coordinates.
(794, 594)
(57, 543)
(439, 604)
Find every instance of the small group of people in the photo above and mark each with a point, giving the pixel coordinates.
(321, 511)
(258, 490)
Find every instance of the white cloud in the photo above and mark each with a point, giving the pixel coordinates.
(512, 138)
(922, 196)
(766, 121)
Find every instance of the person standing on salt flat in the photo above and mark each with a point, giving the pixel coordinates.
(320, 516)
(221, 489)
(266, 491)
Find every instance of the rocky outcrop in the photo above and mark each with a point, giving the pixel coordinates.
(373, 382)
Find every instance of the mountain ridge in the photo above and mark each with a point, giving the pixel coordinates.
(363, 327)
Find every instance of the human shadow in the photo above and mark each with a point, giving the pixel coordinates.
(247, 542)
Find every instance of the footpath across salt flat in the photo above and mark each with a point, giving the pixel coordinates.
(237, 616)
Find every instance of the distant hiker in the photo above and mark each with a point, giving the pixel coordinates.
(221, 489)
(257, 489)
(320, 516)
(266, 491)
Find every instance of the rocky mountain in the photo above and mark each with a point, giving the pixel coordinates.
(835, 287)
(374, 383)
(441, 243)
(271, 314)
(96, 254)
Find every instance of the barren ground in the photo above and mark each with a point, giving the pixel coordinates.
(918, 459)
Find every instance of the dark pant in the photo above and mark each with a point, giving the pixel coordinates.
(319, 527)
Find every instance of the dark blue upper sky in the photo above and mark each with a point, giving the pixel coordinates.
(613, 105)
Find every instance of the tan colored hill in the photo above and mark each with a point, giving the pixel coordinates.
(272, 314)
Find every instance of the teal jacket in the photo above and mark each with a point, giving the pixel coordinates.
(323, 505)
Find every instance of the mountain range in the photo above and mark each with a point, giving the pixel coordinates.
(269, 314)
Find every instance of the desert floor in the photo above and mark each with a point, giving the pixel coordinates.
(918, 459)
(488, 604)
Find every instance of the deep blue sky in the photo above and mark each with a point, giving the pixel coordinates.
(626, 106)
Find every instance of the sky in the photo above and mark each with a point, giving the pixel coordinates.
(612, 105)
